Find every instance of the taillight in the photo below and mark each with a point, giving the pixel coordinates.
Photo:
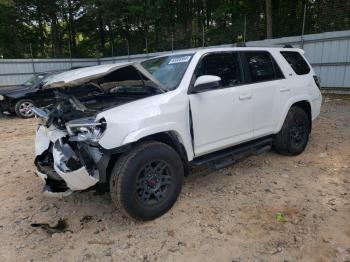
(318, 81)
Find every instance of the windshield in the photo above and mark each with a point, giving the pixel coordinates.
(168, 70)
(36, 79)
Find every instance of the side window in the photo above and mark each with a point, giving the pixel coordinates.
(224, 65)
(297, 62)
(262, 66)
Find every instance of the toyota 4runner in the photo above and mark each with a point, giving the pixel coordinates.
(150, 121)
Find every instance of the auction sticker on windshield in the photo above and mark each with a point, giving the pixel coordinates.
(182, 59)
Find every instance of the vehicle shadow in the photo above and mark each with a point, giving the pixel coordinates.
(101, 206)
(103, 213)
(4, 116)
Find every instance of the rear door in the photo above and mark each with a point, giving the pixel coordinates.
(221, 117)
(269, 89)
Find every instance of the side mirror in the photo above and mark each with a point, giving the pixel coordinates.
(205, 83)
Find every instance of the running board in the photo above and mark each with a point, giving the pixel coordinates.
(229, 156)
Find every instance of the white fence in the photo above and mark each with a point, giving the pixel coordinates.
(329, 53)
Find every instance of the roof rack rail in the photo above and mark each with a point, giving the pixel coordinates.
(243, 44)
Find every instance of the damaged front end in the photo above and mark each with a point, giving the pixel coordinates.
(68, 154)
(68, 157)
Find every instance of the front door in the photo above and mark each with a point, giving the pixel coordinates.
(221, 117)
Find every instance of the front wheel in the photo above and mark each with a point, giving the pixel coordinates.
(23, 108)
(294, 135)
(146, 182)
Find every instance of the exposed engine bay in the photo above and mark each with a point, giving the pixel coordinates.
(90, 95)
(68, 108)
(68, 156)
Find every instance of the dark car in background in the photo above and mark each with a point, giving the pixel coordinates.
(20, 99)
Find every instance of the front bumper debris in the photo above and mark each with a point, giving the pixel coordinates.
(42, 176)
(61, 165)
(78, 179)
(48, 191)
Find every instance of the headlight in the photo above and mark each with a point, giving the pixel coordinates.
(86, 129)
(2, 98)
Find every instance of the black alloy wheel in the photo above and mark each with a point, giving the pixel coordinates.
(153, 183)
(146, 181)
(294, 134)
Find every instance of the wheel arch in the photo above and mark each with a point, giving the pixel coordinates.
(306, 106)
(303, 103)
(170, 138)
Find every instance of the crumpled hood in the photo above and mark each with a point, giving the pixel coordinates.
(82, 75)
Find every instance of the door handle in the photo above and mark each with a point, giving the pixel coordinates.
(284, 90)
(245, 97)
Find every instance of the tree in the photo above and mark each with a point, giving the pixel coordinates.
(94, 28)
(268, 19)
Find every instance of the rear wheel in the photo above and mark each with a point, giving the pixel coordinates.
(294, 135)
(146, 182)
(23, 108)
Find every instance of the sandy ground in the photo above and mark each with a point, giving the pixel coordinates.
(226, 215)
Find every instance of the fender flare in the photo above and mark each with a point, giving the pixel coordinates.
(287, 107)
(181, 135)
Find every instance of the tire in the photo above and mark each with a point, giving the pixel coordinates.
(23, 108)
(146, 182)
(294, 135)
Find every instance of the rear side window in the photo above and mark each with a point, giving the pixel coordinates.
(297, 62)
(224, 65)
(262, 67)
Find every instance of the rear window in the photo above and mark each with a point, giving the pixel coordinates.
(262, 66)
(297, 62)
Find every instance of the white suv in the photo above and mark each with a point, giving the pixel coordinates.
(143, 125)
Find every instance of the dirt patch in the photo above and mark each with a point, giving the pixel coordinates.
(226, 215)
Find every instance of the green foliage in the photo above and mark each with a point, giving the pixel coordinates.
(93, 28)
(280, 217)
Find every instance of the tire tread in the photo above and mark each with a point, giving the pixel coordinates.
(282, 140)
(119, 173)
